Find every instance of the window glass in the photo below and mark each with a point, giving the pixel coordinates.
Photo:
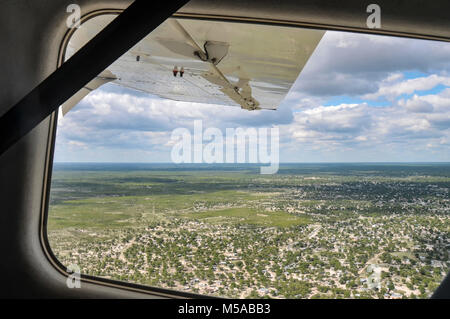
(172, 169)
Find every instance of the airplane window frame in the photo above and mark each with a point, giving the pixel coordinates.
(154, 291)
(151, 290)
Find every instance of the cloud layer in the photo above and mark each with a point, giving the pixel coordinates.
(359, 98)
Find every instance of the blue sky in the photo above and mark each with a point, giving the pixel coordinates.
(360, 98)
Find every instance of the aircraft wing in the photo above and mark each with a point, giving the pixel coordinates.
(238, 64)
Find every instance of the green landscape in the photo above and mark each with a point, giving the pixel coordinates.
(368, 230)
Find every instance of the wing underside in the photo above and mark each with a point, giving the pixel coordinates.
(238, 64)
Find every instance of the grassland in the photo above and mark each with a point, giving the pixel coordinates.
(311, 231)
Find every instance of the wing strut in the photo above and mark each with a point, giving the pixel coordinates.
(215, 76)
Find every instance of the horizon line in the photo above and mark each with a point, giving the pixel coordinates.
(342, 162)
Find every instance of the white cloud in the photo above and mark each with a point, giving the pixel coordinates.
(416, 105)
(391, 91)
